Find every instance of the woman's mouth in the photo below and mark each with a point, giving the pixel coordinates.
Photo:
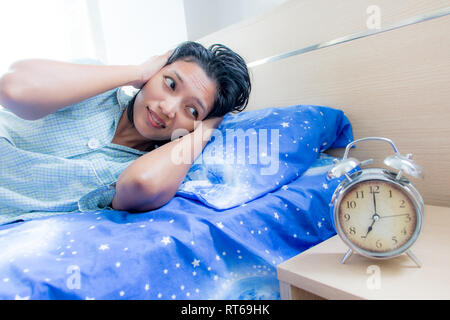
(153, 119)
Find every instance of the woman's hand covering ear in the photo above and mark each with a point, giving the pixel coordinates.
(149, 68)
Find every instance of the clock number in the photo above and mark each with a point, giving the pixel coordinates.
(402, 204)
(352, 231)
(394, 239)
(404, 232)
(360, 194)
(346, 217)
(374, 189)
(351, 204)
(378, 244)
(390, 193)
(408, 218)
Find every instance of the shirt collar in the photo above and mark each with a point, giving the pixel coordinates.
(125, 94)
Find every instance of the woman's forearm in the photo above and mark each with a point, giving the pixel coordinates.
(153, 179)
(35, 88)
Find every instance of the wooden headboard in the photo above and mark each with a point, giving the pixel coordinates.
(392, 81)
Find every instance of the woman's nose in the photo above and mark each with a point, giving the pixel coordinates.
(169, 107)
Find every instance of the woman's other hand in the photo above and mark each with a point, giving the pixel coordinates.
(149, 68)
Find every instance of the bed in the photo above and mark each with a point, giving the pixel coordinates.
(219, 240)
(257, 195)
(181, 251)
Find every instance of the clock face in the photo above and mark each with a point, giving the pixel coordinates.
(377, 216)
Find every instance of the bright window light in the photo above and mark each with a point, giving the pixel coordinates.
(50, 29)
(112, 31)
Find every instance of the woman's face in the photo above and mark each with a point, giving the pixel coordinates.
(174, 98)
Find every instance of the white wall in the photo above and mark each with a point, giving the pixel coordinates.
(134, 30)
(113, 31)
(207, 16)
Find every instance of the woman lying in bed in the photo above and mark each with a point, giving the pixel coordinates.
(182, 92)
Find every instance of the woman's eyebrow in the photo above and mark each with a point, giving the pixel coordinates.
(196, 99)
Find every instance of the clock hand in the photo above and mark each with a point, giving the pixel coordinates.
(375, 216)
(395, 215)
(374, 204)
(370, 228)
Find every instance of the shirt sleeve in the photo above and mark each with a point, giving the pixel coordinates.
(90, 106)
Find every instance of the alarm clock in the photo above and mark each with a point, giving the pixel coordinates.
(377, 212)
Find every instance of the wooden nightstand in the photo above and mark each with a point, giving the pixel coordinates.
(318, 274)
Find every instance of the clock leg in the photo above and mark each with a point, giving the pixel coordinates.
(347, 255)
(414, 258)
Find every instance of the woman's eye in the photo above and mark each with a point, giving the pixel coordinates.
(194, 112)
(170, 82)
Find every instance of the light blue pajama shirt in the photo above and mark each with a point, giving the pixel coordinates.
(64, 162)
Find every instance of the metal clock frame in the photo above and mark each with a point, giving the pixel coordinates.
(403, 184)
(397, 161)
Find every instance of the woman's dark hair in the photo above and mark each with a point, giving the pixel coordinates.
(222, 65)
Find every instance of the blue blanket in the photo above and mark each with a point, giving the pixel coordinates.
(184, 250)
(221, 237)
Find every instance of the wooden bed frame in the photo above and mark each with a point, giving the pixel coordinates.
(393, 81)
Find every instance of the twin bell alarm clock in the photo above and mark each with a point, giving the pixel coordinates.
(377, 212)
